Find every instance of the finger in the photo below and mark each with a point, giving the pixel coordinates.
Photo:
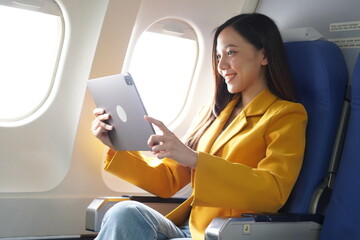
(103, 117)
(100, 121)
(98, 111)
(161, 155)
(158, 148)
(106, 126)
(95, 124)
(98, 131)
(159, 124)
(99, 124)
(155, 140)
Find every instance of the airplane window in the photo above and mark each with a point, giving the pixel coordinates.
(30, 43)
(162, 65)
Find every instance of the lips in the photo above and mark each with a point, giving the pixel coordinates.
(229, 76)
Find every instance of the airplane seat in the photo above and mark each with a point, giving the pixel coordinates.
(320, 75)
(342, 218)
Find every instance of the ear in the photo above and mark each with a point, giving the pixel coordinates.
(262, 57)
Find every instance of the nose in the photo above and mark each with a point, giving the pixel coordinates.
(223, 63)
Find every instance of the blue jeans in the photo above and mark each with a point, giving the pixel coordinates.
(130, 220)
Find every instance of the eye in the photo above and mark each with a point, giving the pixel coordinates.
(218, 56)
(229, 53)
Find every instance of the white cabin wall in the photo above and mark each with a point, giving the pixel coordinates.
(61, 210)
(115, 34)
(109, 58)
(45, 204)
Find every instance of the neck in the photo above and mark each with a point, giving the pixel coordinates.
(249, 94)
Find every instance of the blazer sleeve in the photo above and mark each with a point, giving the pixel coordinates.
(162, 178)
(220, 183)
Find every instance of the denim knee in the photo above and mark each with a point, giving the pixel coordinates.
(126, 221)
(123, 211)
(133, 220)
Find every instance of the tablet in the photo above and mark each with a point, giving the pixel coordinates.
(118, 96)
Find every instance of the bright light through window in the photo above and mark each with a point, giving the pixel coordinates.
(29, 48)
(162, 66)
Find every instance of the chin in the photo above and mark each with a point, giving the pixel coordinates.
(232, 90)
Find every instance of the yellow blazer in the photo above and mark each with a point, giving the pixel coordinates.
(251, 166)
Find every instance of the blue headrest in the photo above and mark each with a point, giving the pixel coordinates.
(342, 219)
(320, 76)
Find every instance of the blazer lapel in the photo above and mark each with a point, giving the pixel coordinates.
(212, 133)
(238, 124)
(256, 107)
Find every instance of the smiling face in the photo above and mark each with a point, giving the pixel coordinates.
(240, 63)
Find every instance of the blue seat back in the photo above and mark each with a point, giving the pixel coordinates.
(320, 76)
(342, 220)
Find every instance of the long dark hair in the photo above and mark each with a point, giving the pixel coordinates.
(260, 31)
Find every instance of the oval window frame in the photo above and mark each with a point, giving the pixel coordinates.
(177, 28)
(47, 7)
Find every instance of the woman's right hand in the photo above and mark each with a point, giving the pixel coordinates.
(100, 128)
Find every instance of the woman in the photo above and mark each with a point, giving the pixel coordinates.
(243, 153)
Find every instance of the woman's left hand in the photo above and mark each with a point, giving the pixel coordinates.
(169, 146)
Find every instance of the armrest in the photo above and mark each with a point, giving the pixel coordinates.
(151, 199)
(285, 217)
(266, 226)
(95, 212)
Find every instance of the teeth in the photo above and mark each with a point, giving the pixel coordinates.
(230, 76)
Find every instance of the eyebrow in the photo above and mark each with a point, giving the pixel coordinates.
(231, 45)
